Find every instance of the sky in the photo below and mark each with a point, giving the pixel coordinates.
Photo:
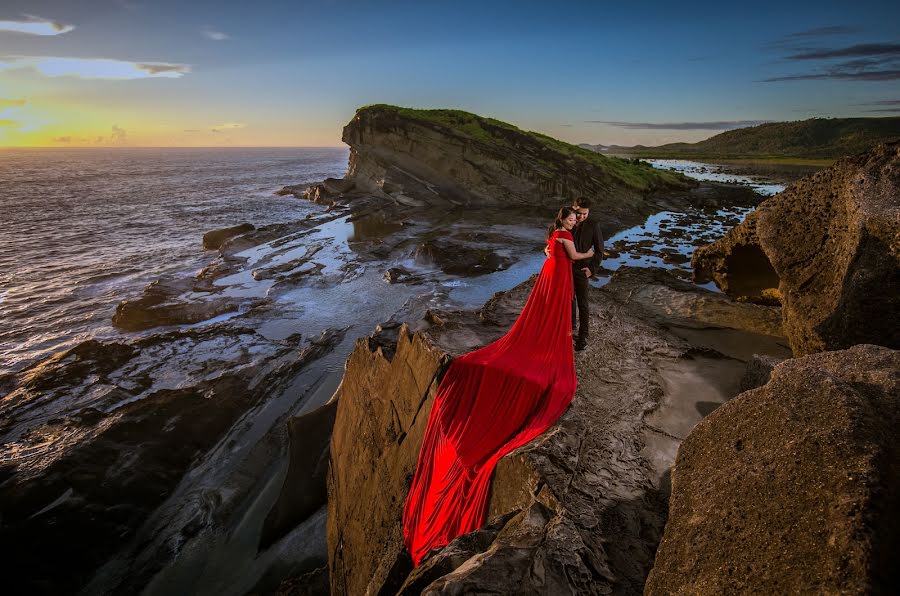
(292, 73)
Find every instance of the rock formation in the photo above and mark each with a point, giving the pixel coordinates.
(809, 497)
(831, 244)
(448, 157)
(581, 509)
(96, 438)
(214, 239)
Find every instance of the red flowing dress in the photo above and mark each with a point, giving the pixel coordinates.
(490, 402)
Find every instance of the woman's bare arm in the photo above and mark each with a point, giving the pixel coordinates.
(574, 254)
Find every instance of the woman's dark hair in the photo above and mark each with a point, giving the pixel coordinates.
(564, 212)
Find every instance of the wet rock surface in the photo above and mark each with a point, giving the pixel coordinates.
(216, 238)
(810, 498)
(831, 243)
(579, 510)
(97, 438)
(196, 521)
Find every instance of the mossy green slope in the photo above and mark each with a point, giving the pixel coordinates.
(504, 136)
(816, 138)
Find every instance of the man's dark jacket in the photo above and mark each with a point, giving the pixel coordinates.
(586, 235)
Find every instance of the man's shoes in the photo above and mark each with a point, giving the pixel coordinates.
(580, 344)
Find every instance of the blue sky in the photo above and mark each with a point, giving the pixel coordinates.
(292, 73)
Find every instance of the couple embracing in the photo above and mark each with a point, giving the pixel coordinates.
(500, 397)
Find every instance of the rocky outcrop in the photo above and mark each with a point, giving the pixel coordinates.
(582, 508)
(830, 243)
(738, 265)
(304, 489)
(216, 238)
(809, 499)
(448, 157)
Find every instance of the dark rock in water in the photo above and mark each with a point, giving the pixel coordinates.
(160, 305)
(304, 491)
(397, 275)
(460, 258)
(579, 510)
(215, 239)
(674, 258)
(830, 243)
(793, 487)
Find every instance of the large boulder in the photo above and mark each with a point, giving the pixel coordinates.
(830, 244)
(793, 487)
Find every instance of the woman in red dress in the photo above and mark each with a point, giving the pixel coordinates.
(492, 401)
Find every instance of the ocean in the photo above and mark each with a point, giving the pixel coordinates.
(82, 229)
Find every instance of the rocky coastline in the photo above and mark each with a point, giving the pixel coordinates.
(212, 432)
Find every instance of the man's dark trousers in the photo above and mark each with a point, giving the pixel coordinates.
(580, 304)
(586, 235)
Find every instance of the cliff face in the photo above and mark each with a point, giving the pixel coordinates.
(434, 157)
(831, 245)
(582, 508)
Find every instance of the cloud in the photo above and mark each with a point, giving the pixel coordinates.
(192, 130)
(33, 25)
(228, 126)
(213, 34)
(66, 139)
(842, 75)
(860, 62)
(884, 110)
(93, 68)
(714, 125)
(822, 31)
(8, 124)
(11, 103)
(882, 102)
(118, 134)
(863, 49)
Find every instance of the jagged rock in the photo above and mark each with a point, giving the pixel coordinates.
(793, 487)
(304, 490)
(215, 239)
(397, 275)
(830, 243)
(447, 157)
(738, 265)
(581, 509)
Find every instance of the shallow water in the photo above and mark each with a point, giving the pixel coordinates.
(81, 229)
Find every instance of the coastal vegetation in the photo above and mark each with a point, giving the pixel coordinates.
(503, 136)
(819, 139)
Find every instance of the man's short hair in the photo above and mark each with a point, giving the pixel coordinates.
(583, 202)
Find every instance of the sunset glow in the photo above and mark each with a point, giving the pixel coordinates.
(205, 74)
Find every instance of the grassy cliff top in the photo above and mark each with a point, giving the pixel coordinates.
(816, 138)
(502, 135)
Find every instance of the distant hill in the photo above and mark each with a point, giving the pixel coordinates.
(817, 138)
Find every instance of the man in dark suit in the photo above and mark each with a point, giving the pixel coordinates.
(587, 234)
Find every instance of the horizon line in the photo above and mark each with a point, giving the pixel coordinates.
(2, 147)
